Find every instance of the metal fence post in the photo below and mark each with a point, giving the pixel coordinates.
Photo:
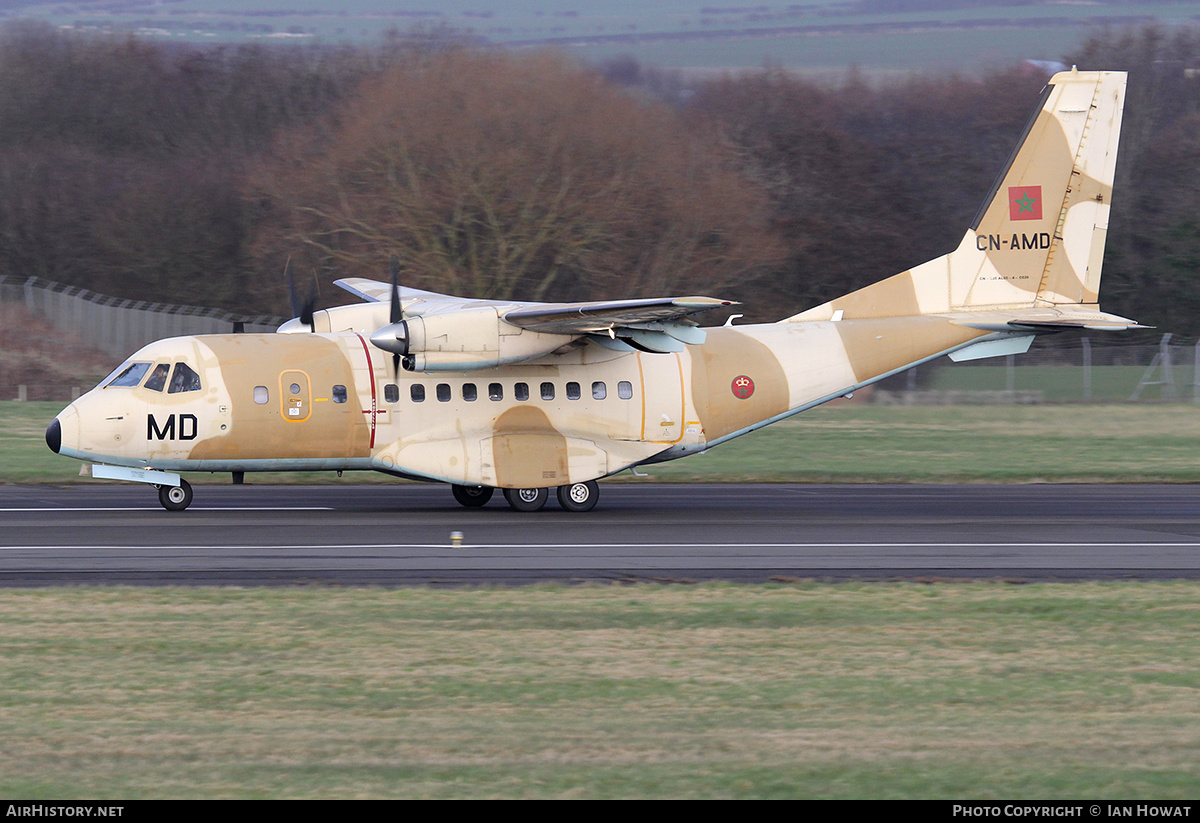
(1087, 370)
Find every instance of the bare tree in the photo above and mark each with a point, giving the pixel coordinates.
(498, 176)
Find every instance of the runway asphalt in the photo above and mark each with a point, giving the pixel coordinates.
(107, 533)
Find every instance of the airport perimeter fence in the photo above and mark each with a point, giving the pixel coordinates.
(1058, 369)
(116, 325)
(113, 325)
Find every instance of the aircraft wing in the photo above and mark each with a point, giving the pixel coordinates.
(602, 315)
(416, 302)
(659, 324)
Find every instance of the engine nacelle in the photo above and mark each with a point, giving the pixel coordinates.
(464, 340)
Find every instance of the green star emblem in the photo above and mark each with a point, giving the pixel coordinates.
(1025, 203)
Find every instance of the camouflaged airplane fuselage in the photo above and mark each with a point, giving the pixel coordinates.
(529, 396)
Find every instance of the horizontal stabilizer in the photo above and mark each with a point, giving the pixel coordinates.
(1045, 321)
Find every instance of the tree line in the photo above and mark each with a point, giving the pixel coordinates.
(193, 174)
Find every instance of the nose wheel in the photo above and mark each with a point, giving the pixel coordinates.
(175, 498)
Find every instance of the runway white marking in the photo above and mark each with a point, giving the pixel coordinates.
(195, 509)
(298, 546)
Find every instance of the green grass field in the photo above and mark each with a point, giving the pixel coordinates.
(1066, 384)
(976, 691)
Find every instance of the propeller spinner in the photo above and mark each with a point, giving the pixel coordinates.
(394, 336)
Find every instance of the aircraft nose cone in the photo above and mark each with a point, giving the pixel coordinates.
(54, 435)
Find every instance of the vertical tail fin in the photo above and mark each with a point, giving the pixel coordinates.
(1038, 240)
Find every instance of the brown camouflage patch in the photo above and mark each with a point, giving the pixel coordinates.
(260, 431)
(527, 451)
(726, 355)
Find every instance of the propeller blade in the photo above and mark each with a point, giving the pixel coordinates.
(397, 313)
(293, 298)
(302, 310)
(397, 309)
(310, 303)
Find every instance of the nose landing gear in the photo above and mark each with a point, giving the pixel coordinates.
(175, 498)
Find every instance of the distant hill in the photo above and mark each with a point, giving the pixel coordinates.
(813, 35)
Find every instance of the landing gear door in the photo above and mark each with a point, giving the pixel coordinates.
(662, 397)
(295, 395)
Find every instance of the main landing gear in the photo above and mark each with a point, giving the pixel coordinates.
(575, 497)
(472, 496)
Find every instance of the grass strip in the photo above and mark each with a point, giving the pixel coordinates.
(790, 690)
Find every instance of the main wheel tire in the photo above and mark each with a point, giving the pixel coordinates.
(579, 497)
(526, 500)
(472, 496)
(175, 498)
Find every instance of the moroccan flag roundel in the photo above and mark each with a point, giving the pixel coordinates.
(1024, 202)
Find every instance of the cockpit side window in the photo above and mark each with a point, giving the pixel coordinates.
(130, 375)
(184, 379)
(157, 380)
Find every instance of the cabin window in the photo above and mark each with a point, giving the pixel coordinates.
(521, 391)
(470, 392)
(443, 392)
(261, 395)
(573, 392)
(391, 393)
(624, 390)
(339, 394)
(417, 392)
(599, 391)
(183, 379)
(131, 375)
(547, 391)
(157, 381)
(495, 391)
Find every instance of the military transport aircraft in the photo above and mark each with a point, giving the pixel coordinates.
(525, 397)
